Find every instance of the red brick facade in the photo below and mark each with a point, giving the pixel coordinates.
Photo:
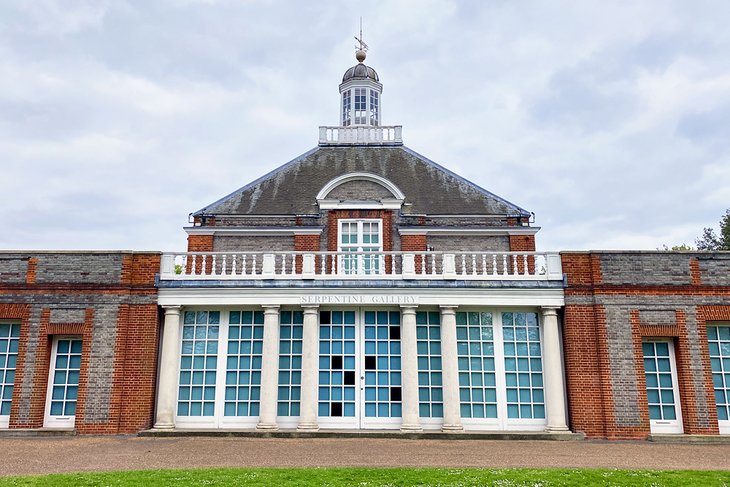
(591, 391)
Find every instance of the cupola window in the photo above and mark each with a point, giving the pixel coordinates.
(346, 108)
(374, 103)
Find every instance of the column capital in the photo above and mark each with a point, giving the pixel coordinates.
(550, 310)
(172, 309)
(271, 308)
(310, 308)
(408, 308)
(448, 308)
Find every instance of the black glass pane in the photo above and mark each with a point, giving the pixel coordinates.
(395, 394)
(337, 363)
(324, 317)
(395, 332)
(349, 377)
(370, 362)
(336, 409)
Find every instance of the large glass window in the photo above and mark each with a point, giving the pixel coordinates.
(290, 362)
(198, 363)
(662, 393)
(9, 340)
(477, 379)
(363, 240)
(243, 365)
(337, 379)
(719, 345)
(523, 366)
(383, 392)
(428, 343)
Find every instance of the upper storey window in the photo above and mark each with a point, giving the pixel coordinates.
(360, 106)
(362, 238)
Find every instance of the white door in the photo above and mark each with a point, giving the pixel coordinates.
(662, 391)
(63, 382)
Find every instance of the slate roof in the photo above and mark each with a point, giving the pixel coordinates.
(429, 188)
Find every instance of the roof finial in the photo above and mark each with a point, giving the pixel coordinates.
(362, 48)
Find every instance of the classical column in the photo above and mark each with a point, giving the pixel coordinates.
(310, 369)
(409, 370)
(450, 370)
(269, 369)
(554, 390)
(169, 359)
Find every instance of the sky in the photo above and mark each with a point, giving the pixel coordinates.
(609, 120)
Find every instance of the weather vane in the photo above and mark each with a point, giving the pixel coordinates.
(362, 47)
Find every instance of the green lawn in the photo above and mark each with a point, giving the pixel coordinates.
(383, 476)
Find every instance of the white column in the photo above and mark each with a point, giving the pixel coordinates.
(409, 370)
(450, 370)
(169, 361)
(310, 370)
(269, 370)
(554, 390)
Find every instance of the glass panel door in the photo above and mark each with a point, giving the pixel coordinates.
(662, 393)
(337, 392)
(382, 370)
(63, 382)
(719, 345)
(9, 340)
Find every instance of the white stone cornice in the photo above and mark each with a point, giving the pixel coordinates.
(253, 231)
(469, 231)
(385, 204)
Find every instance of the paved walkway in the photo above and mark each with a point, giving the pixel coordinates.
(68, 454)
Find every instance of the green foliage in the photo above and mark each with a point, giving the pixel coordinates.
(677, 248)
(713, 241)
(178, 269)
(382, 476)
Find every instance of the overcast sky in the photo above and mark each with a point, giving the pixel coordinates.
(609, 120)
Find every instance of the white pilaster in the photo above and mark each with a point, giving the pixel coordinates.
(269, 370)
(310, 369)
(409, 369)
(450, 370)
(554, 390)
(169, 361)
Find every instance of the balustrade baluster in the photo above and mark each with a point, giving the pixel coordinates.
(332, 263)
(423, 264)
(494, 264)
(515, 269)
(203, 267)
(484, 264)
(212, 265)
(253, 265)
(433, 264)
(293, 264)
(244, 272)
(223, 265)
(474, 264)
(463, 264)
(283, 264)
(504, 264)
(322, 264)
(527, 269)
(233, 264)
(193, 267)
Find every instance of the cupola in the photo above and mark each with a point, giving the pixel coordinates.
(360, 92)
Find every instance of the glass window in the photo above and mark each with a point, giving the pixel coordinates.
(65, 378)
(523, 365)
(661, 386)
(243, 363)
(290, 362)
(383, 392)
(198, 363)
(346, 108)
(360, 106)
(428, 344)
(361, 245)
(374, 117)
(475, 350)
(719, 344)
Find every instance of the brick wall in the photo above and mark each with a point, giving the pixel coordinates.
(614, 300)
(108, 299)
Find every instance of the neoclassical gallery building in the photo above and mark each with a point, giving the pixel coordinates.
(362, 286)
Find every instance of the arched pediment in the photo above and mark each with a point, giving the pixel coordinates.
(386, 193)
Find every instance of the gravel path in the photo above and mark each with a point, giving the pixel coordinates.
(48, 455)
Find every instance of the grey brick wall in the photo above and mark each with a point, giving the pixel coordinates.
(359, 190)
(13, 269)
(715, 269)
(655, 269)
(101, 364)
(79, 268)
(446, 243)
(279, 243)
(67, 315)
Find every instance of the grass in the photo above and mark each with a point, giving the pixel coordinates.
(365, 477)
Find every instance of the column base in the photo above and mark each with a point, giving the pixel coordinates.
(411, 428)
(452, 428)
(163, 426)
(557, 429)
(308, 427)
(267, 427)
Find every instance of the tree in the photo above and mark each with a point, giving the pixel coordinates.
(711, 240)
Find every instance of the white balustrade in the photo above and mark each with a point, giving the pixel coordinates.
(361, 265)
(361, 135)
